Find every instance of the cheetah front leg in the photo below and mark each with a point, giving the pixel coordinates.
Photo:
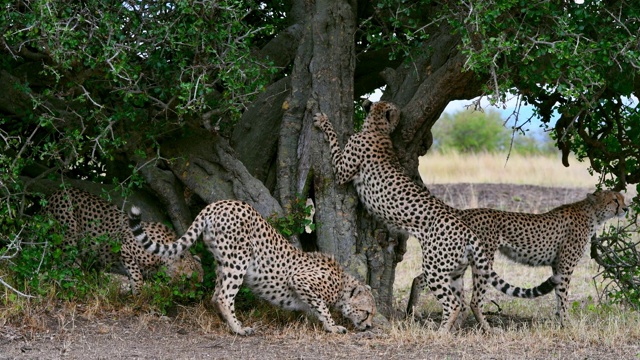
(561, 296)
(346, 163)
(134, 274)
(309, 289)
(564, 269)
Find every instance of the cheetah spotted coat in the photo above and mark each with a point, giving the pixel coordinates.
(248, 250)
(87, 217)
(448, 245)
(556, 238)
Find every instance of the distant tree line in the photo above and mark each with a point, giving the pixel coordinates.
(471, 131)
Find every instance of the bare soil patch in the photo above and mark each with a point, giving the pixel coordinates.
(191, 334)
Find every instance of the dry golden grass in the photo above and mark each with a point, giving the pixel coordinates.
(453, 167)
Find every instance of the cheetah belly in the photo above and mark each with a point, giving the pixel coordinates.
(522, 256)
(273, 286)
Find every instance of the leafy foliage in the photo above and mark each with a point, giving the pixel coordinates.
(125, 74)
(46, 264)
(299, 216)
(576, 59)
(559, 57)
(91, 85)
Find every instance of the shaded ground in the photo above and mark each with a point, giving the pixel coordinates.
(144, 336)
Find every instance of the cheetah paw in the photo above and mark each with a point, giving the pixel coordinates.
(320, 120)
(245, 331)
(337, 329)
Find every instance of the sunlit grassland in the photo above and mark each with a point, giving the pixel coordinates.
(501, 168)
(590, 319)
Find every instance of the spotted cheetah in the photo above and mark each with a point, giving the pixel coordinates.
(556, 238)
(448, 245)
(248, 250)
(86, 217)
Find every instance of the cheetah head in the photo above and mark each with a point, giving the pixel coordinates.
(188, 265)
(382, 116)
(360, 307)
(607, 204)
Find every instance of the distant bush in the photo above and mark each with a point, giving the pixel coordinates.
(471, 131)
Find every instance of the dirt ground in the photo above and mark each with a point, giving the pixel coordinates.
(127, 338)
(144, 336)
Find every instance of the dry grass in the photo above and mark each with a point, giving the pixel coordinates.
(452, 167)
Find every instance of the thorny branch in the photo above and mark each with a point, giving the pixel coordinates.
(9, 252)
(618, 256)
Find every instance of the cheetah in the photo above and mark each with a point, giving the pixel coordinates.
(556, 238)
(248, 250)
(86, 217)
(448, 245)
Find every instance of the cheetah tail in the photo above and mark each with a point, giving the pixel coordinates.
(172, 250)
(546, 287)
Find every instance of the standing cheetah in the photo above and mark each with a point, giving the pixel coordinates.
(556, 238)
(248, 250)
(448, 245)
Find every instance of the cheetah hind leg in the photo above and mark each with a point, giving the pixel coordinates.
(418, 284)
(224, 300)
(440, 285)
(457, 286)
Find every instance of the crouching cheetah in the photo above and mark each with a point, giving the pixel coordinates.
(448, 245)
(556, 238)
(87, 217)
(248, 250)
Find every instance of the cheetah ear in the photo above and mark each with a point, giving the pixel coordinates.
(367, 105)
(591, 197)
(358, 289)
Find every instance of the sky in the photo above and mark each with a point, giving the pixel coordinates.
(506, 110)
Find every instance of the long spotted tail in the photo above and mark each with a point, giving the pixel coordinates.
(543, 289)
(173, 250)
(481, 265)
